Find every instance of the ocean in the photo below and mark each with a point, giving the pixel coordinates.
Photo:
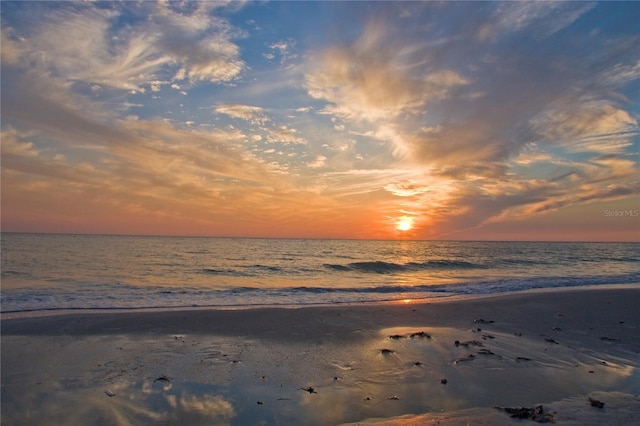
(51, 271)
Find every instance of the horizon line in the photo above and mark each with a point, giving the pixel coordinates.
(312, 238)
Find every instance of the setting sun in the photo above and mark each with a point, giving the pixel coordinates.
(404, 223)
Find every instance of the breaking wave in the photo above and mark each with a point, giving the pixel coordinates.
(379, 267)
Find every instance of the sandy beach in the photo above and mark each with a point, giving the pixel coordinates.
(445, 362)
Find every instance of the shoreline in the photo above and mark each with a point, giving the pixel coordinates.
(393, 362)
(35, 313)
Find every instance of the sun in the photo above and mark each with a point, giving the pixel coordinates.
(404, 223)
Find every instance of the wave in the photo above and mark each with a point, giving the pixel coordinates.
(293, 268)
(482, 287)
(248, 271)
(228, 272)
(380, 267)
(11, 272)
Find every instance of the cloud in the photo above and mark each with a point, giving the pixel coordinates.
(544, 18)
(588, 126)
(585, 196)
(11, 51)
(369, 80)
(14, 146)
(81, 42)
(198, 41)
(283, 49)
(281, 46)
(137, 166)
(49, 108)
(319, 162)
(249, 113)
(622, 73)
(72, 43)
(280, 134)
(193, 179)
(532, 154)
(128, 155)
(610, 169)
(363, 181)
(406, 189)
(475, 146)
(285, 135)
(481, 201)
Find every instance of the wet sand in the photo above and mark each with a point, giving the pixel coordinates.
(394, 363)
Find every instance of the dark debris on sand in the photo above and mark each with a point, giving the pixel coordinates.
(537, 414)
(469, 357)
(596, 403)
(468, 343)
(417, 334)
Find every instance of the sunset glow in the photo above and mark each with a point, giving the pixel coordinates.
(425, 120)
(405, 223)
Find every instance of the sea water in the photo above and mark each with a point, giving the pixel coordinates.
(50, 271)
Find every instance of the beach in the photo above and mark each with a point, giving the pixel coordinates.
(445, 361)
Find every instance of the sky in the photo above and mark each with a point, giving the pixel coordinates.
(378, 120)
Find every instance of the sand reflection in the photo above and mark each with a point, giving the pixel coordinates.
(120, 404)
(402, 373)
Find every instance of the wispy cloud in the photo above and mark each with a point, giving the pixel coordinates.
(250, 113)
(370, 79)
(587, 126)
(544, 18)
(82, 43)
